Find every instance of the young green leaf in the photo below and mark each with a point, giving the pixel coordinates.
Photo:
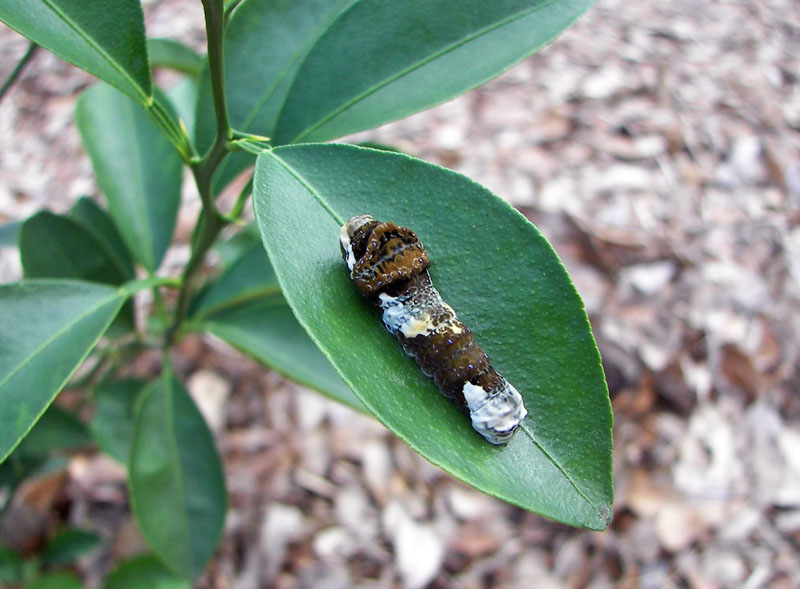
(58, 429)
(69, 545)
(10, 566)
(145, 571)
(175, 477)
(96, 221)
(265, 43)
(137, 169)
(56, 581)
(506, 283)
(246, 309)
(104, 38)
(175, 56)
(52, 246)
(112, 424)
(248, 278)
(230, 250)
(383, 60)
(267, 331)
(47, 328)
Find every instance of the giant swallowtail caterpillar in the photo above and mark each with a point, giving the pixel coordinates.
(389, 265)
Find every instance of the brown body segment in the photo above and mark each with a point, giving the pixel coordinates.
(391, 255)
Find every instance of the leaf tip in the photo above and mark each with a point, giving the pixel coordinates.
(605, 513)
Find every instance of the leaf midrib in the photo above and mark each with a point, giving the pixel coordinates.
(98, 48)
(311, 40)
(175, 451)
(528, 432)
(415, 66)
(51, 339)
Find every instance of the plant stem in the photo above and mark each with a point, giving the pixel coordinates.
(215, 32)
(160, 306)
(208, 228)
(210, 222)
(12, 77)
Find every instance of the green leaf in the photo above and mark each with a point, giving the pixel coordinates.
(144, 571)
(506, 283)
(265, 43)
(232, 248)
(246, 309)
(267, 331)
(9, 232)
(56, 581)
(69, 545)
(230, 4)
(112, 425)
(104, 38)
(175, 56)
(248, 278)
(383, 60)
(175, 478)
(58, 429)
(10, 566)
(136, 168)
(52, 246)
(96, 221)
(47, 328)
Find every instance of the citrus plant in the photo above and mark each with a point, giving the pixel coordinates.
(281, 78)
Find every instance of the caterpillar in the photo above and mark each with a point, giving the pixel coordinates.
(389, 265)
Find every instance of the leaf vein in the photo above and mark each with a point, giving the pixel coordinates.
(417, 65)
(102, 52)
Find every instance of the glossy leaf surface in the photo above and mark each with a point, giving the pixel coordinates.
(70, 544)
(84, 246)
(383, 60)
(136, 167)
(47, 328)
(112, 424)
(56, 581)
(57, 429)
(246, 309)
(104, 38)
(52, 246)
(145, 571)
(96, 221)
(175, 477)
(175, 56)
(250, 277)
(10, 566)
(505, 282)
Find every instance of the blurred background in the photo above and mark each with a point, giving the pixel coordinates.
(657, 146)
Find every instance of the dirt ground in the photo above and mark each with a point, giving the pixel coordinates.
(657, 145)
